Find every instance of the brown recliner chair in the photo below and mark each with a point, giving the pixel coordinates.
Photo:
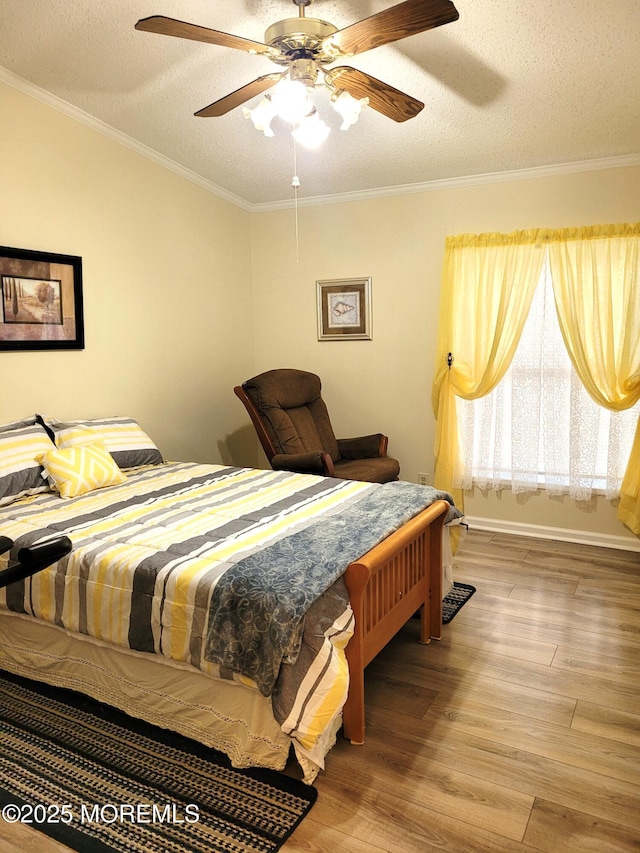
(293, 426)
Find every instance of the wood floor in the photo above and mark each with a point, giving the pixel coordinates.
(518, 731)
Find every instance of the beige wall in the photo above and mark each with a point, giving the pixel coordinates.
(167, 290)
(385, 384)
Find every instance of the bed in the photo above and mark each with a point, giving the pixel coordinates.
(236, 606)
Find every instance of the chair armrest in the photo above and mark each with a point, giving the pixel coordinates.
(315, 462)
(363, 447)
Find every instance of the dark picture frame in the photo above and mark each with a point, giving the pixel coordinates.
(344, 309)
(41, 304)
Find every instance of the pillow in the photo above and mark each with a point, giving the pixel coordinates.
(20, 472)
(129, 445)
(28, 421)
(74, 471)
(75, 436)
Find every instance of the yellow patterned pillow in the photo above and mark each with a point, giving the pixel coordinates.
(73, 471)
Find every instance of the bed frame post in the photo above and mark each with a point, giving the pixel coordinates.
(353, 721)
(435, 582)
(397, 578)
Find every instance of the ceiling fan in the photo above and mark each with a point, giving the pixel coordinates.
(307, 46)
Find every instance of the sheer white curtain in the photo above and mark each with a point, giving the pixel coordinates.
(539, 428)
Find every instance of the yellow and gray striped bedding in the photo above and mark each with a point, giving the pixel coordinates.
(152, 559)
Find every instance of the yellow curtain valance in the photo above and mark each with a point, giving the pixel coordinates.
(543, 235)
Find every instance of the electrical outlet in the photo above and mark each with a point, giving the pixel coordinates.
(423, 478)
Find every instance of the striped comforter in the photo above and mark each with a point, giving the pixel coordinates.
(160, 564)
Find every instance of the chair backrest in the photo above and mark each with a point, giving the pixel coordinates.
(289, 413)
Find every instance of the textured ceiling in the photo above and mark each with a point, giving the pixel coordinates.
(509, 86)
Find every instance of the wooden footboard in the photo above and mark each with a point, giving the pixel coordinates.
(401, 575)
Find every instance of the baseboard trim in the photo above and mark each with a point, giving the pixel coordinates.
(561, 534)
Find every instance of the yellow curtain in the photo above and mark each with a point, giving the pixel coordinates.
(629, 506)
(596, 281)
(487, 287)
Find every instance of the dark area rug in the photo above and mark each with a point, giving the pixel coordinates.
(102, 782)
(455, 599)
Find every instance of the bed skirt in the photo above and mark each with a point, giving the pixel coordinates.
(165, 693)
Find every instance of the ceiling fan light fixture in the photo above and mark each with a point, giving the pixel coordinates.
(348, 107)
(291, 101)
(312, 131)
(262, 115)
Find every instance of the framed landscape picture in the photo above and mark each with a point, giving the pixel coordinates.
(344, 309)
(41, 305)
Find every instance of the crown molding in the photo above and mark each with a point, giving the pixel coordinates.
(102, 127)
(454, 183)
(85, 118)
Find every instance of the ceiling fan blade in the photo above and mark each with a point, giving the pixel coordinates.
(240, 96)
(382, 97)
(398, 22)
(181, 29)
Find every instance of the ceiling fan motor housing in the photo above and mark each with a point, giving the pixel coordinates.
(301, 38)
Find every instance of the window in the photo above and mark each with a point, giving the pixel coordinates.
(539, 428)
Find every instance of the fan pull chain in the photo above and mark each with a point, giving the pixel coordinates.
(295, 183)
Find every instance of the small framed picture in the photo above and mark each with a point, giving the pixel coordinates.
(344, 309)
(41, 300)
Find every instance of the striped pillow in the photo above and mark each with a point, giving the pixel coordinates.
(28, 421)
(129, 445)
(20, 472)
(74, 471)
